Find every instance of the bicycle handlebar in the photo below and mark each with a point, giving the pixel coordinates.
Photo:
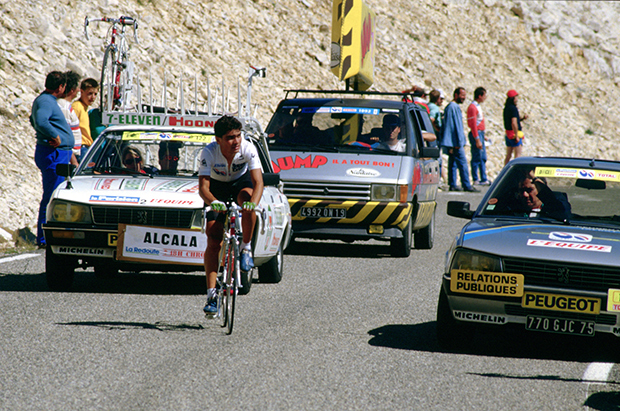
(234, 206)
(123, 21)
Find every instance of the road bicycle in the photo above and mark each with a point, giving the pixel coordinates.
(117, 71)
(230, 277)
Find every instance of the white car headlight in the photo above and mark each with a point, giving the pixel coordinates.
(66, 212)
(465, 259)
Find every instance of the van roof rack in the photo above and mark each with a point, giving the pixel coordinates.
(403, 95)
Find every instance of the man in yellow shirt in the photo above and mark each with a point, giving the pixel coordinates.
(89, 89)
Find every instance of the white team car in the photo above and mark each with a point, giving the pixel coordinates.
(113, 214)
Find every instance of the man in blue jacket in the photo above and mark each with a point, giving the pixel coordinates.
(54, 140)
(453, 141)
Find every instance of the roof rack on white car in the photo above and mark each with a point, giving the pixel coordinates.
(194, 116)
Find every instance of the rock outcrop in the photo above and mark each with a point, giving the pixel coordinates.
(563, 57)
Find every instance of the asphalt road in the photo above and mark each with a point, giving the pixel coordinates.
(349, 327)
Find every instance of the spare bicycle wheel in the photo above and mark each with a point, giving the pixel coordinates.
(108, 76)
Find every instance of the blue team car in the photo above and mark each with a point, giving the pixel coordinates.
(541, 252)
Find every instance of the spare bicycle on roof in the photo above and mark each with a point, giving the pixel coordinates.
(117, 70)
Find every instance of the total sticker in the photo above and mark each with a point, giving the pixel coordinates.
(613, 299)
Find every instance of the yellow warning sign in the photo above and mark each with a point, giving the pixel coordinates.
(353, 43)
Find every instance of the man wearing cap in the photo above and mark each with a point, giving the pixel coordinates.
(391, 133)
(453, 141)
(512, 125)
(475, 121)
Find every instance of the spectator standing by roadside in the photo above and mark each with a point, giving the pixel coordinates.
(88, 94)
(475, 121)
(434, 107)
(419, 98)
(512, 125)
(54, 140)
(453, 142)
(71, 91)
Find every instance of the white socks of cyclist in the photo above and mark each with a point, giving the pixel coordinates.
(211, 293)
(246, 246)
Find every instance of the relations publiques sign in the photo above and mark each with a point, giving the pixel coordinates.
(160, 244)
(353, 43)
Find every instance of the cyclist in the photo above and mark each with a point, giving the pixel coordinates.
(229, 168)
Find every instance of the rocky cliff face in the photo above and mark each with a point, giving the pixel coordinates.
(562, 56)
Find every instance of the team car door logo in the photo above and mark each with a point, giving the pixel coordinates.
(561, 236)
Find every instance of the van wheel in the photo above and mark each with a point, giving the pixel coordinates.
(271, 271)
(401, 247)
(423, 238)
(59, 270)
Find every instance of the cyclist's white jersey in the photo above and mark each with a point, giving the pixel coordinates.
(214, 164)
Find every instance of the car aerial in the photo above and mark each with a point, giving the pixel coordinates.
(348, 178)
(540, 252)
(133, 203)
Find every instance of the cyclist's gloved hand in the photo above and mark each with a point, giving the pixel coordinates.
(218, 206)
(249, 206)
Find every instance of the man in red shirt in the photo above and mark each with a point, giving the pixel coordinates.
(475, 121)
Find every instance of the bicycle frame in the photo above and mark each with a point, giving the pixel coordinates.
(229, 272)
(232, 238)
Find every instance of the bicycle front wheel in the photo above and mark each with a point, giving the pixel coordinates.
(231, 286)
(108, 84)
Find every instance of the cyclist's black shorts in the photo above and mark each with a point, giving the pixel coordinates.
(225, 191)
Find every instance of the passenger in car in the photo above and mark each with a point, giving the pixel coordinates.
(301, 131)
(168, 154)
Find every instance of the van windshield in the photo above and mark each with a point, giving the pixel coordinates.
(341, 129)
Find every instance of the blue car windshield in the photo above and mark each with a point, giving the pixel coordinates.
(580, 196)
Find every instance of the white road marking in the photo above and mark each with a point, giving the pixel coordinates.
(17, 257)
(597, 372)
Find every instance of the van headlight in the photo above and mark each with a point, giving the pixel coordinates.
(65, 212)
(387, 192)
(383, 192)
(465, 259)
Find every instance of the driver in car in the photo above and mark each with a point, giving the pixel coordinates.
(390, 134)
(229, 169)
(534, 198)
(132, 159)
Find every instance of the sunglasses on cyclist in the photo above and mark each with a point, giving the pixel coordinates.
(132, 160)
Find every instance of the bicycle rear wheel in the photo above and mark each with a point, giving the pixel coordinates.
(108, 85)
